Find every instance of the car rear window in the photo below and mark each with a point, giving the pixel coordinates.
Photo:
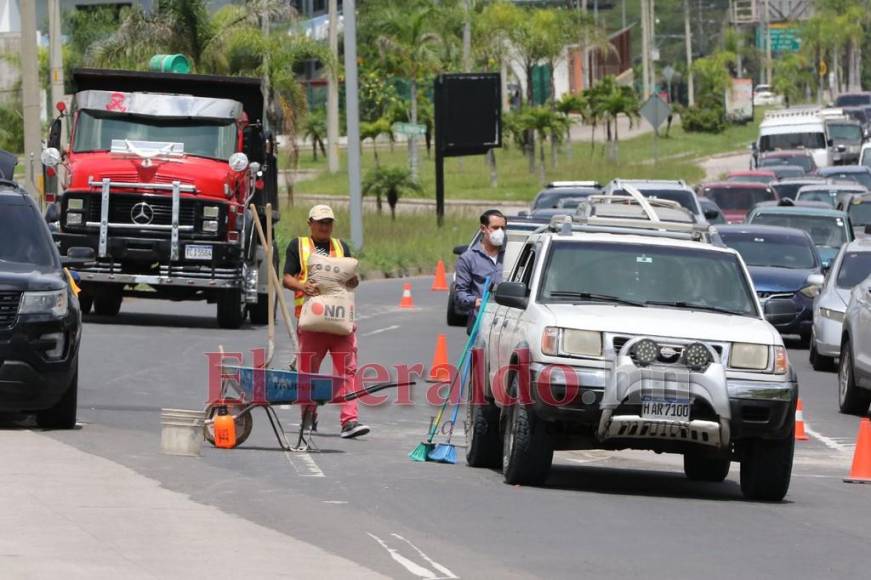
(861, 177)
(739, 198)
(853, 100)
(550, 198)
(23, 236)
(768, 251)
(824, 230)
(829, 197)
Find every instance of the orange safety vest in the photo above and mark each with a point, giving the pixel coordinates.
(306, 249)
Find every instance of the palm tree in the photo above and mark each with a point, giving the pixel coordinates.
(390, 182)
(409, 48)
(545, 122)
(616, 100)
(315, 128)
(373, 130)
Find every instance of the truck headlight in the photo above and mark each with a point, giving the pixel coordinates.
(211, 211)
(75, 203)
(210, 226)
(53, 302)
(74, 219)
(749, 356)
(238, 162)
(832, 314)
(570, 342)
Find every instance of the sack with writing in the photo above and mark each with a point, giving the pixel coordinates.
(332, 310)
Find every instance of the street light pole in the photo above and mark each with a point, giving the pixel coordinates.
(352, 109)
(768, 62)
(645, 49)
(691, 97)
(30, 94)
(56, 63)
(333, 91)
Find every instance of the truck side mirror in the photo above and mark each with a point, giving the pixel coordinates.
(52, 213)
(253, 143)
(54, 133)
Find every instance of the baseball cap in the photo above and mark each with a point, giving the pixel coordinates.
(321, 212)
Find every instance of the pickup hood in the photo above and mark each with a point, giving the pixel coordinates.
(23, 278)
(667, 322)
(778, 279)
(209, 175)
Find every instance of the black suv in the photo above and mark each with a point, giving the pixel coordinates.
(40, 319)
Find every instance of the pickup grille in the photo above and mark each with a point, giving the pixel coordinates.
(619, 341)
(8, 308)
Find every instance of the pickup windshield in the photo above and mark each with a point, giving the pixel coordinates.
(201, 137)
(641, 275)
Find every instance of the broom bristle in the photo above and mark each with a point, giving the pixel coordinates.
(421, 452)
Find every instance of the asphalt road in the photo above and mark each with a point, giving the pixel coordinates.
(605, 515)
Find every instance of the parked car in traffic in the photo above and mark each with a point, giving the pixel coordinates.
(858, 207)
(764, 176)
(785, 268)
(550, 196)
(833, 194)
(789, 187)
(40, 319)
(852, 265)
(794, 128)
(854, 366)
(856, 173)
(789, 157)
(736, 198)
(671, 190)
(846, 136)
(829, 228)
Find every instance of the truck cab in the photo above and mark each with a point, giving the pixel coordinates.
(158, 175)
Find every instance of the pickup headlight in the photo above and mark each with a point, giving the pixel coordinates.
(54, 302)
(570, 342)
(832, 314)
(749, 356)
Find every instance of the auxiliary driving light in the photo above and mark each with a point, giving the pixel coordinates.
(645, 352)
(697, 356)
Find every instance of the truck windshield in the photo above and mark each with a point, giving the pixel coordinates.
(647, 275)
(825, 231)
(201, 137)
(845, 132)
(792, 141)
(23, 236)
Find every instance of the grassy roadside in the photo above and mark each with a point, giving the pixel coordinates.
(411, 245)
(469, 178)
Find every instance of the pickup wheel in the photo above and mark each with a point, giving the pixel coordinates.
(766, 468)
(231, 310)
(699, 467)
(527, 449)
(851, 399)
(108, 303)
(63, 414)
(483, 442)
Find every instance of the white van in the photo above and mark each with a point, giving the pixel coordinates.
(802, 128)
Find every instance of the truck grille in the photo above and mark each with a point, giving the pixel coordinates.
(8, 308)
(121, 207)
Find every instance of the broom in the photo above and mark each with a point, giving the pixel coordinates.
(424, 450)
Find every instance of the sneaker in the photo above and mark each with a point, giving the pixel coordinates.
(353, 429)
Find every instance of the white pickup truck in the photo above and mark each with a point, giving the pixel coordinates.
(624, 328)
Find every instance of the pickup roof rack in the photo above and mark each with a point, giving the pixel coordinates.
(554, 184)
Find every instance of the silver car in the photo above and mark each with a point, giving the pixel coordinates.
(854, 370)
(852, 265)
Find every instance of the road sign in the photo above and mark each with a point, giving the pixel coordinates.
(408, 129)
(784, 38)
(655, 111)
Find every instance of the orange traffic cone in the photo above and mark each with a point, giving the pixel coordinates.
(800, 434)
(407, 301)
(440, 282)
(861, 470)
(440, 371)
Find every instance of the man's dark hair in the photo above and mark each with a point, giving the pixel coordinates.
(485, 217)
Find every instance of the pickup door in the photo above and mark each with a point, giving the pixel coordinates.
(509, 336)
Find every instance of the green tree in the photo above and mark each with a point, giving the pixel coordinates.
(315, 128)
(792, 74)
(545, 123)
(374, 129)
(389, 182)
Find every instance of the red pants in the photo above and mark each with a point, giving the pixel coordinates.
(313, 347)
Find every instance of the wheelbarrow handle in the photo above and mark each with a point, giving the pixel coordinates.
(370, 390)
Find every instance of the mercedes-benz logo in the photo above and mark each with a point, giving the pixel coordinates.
(142, 214)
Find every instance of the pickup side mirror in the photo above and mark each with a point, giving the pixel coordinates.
(779, 311)
(460, 250)
(512, 295)
(52, 213)
(78, 256)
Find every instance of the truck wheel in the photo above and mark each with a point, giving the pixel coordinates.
(851, 399)
(63, 414)
(231, 310)
(108, 304)
(527, 449)
(260, 312)
(482, 435)
(819, 362)
(766, 468)
(86, 301)
(698, 467)
(455, 318)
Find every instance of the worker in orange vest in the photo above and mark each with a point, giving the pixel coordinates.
(314, 346)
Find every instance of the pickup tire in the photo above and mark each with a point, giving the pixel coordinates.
(483, 440)
(231, 310)
(851, 399)
(699, 467)
(527, 448)
(766, 468)
(63, 414)
(108, 303)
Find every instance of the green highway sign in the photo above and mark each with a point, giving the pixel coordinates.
(408, 129)
(783, 38)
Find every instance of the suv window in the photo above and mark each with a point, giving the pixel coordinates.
(525, 263)
(23, 236)
(680, 277)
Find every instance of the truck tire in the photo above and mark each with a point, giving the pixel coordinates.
(527, 449)
(231, 310)
(851, 399)
(698, 467)
(766, 468)
(260, 312)
(108, 304)
(86, 301)
(63, 414)
(483, 442)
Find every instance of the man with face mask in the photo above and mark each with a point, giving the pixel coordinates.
(481, 261)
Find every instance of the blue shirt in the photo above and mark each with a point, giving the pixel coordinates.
(473, 267)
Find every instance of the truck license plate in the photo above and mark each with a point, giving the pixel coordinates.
(665, 410)
(194, 252)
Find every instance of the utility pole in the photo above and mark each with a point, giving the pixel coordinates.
(651, 39)
(349, 11)
(691, 97)
(623, 16)
(768, 62)
(645, 49)
(333, 91)
(30, 95)
(467, 36)
(264, 25)
(56, 63)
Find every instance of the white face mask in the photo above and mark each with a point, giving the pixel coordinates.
(497, 238)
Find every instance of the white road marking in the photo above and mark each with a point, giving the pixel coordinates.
(304, 464)
(411, 566)
(380, 330)
(334, 501)
(827, 441)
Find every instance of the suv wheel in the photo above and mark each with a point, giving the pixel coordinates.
(108, 303)
(819, 362)
(851, 400)
(766, 468)
(700, 467)
(231, 310)
(483, 443)
(527, 449)
(63, 414)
